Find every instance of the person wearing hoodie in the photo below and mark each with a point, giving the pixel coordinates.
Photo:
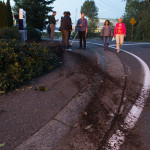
(66, 26)
(119, 34)
(106, 33)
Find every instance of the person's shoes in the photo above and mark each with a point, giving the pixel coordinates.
(84, 48)
(79, 47)
(68, 49)
(118, 50)
(107, 48)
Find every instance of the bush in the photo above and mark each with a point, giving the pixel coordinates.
(89, 34)
(20, 62)
(33, 34)
(92, 34)
(10, 33)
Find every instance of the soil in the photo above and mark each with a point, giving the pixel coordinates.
(96, 119)
(25, 111)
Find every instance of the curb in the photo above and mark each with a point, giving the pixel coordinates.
(60, 125)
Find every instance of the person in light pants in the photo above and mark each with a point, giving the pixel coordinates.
(119, 41)
(120, 33)
(52, 22)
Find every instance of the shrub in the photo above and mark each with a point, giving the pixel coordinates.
(33, 34)
(20, 62)
(10, 33)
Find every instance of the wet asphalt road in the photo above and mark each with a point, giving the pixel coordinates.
(139, 138)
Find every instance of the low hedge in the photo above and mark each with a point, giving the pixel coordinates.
(20, 62)
(33, 34)
(10, 33)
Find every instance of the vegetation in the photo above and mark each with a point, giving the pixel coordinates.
(33, 34)
(91, 11)
(140, 11)
(36, 11)
(9, 14)
(3, 21)
(20, 62)
(6, 18)
(10, 33)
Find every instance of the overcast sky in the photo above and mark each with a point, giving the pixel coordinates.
(107, 8)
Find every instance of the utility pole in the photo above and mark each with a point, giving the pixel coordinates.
(76, 16)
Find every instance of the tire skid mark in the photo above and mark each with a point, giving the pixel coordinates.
(117, 139)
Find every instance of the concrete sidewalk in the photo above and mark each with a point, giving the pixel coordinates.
(35, 120)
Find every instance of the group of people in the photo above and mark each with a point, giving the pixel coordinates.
(119, 34)
(66, 28)
(82, 26)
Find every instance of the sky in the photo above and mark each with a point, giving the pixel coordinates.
(107, 8)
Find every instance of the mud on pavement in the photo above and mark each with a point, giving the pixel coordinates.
(97, 118)
(27, 110)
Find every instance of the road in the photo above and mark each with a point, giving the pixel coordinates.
(138, 138)
(135, 139)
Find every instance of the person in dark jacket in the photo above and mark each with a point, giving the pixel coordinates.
(49, 30)
(66, 26)
(82, 25)
(69, 14)
(106, 33)
(53, 21)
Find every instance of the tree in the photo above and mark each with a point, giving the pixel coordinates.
(3, 18)
(9, 14)
(36, 11)
(91, 11)
(140, 10)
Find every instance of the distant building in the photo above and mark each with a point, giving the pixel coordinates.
(102, 21)
(101, 24)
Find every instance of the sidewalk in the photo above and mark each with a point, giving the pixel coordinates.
(36, 119)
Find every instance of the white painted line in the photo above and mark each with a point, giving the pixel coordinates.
(137, 44)
(118, 138)
(132, 44)
(95, 43)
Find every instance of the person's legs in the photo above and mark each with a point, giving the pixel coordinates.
(63, 39)
(52, 26)
(80, 38)
(121, 40)
(84, 38)
(104, 38)
(49, 33)
(66, 38)
(118, 42)
(107, 42)
(69, 38)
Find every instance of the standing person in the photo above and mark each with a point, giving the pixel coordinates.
(106, 33)
(66, 26)
(69, 14)
(49, 30)
(120, 33)
(52, 24)
(82, 25)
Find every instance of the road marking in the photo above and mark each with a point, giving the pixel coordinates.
(131, 44)
(95, 43)
(118, 138)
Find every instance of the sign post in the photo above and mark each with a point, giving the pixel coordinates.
(22, 24)
(132, 21)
